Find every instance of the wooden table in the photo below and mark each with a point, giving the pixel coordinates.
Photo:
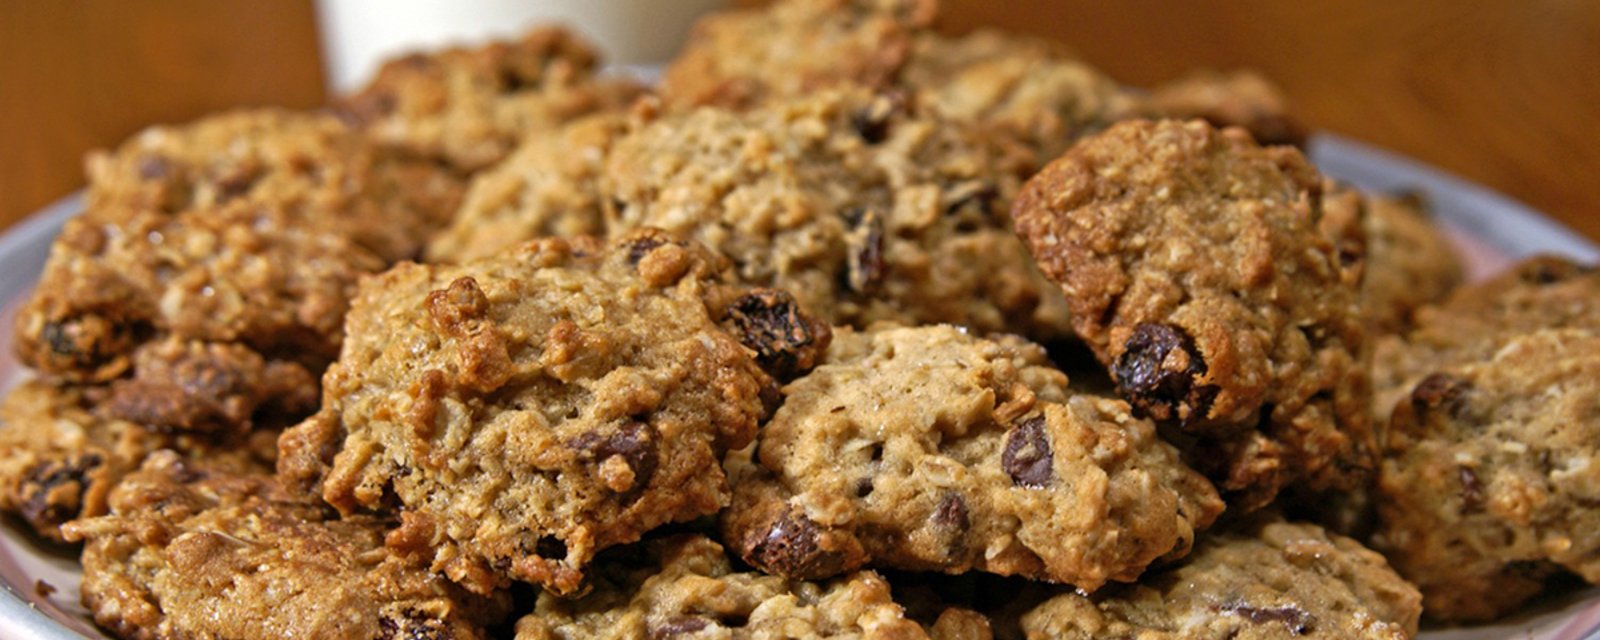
(1504, 92)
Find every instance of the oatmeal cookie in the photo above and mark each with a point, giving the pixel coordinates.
(1407, 262)
(60, 456)
(548, 187)
(193, 551)
(742, 58)
(686, 587)
(470, 107)
(860, 206)
(1196, 271)
(244, 228)
(1229, 99)
(1262, 580)
(928, 449)
(528, 410)
(1490, 475)
(1010, 85)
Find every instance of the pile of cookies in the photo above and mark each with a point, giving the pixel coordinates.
(846, 329)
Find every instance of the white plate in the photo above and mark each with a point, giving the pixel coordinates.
(1489, 228)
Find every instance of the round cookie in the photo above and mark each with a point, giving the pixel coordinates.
(1196, 272)
(525, 411)
(190, 550)
(1260, 580)
(928, 449)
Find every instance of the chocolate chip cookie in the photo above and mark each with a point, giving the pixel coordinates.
(929, 449)
(1196, 271)
(1261, 580)
(742, 58)
(189, 551)
(60, 455)
(469, 107)
(686, 587)
(525, 411)
(246, 228)
(1489, 481)
(548, 187)
(862, 207)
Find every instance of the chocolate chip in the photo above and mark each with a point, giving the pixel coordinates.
(1296, 620)
(412, 625)
(1027, 457)
(1157, 373)
(872, 122)
(866, 251)
(674, 627)
(864, 487)
(790, 548)
(634, 443)
(787, 342)
(1441, 391)
(1471, 489)
(51, 492)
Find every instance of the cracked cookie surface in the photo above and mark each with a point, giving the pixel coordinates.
(686, 587)
(191, 550)
(1196, 271)
(528, 410)
(928, 449)
(1260, 580)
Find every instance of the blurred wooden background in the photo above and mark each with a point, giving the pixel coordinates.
(1505, 92)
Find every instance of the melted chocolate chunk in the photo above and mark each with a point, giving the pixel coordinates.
(1027, 457)
(1158, 374)
(790, 548)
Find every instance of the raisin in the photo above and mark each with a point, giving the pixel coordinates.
(872, 122)
(791, 548)
(1157, 374)
(951, 522)
(59, 337)
(550, 548)
(1027, 457)
(970, 192)
(52, 492)
(866, 251)
(412, 625)
(677, 626)
(638, 248)
(153, 168)
(1471, 489)
(786, 341)
(1441, 391)
(1296, 620)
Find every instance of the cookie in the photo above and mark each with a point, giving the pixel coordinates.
(1261, 580)
(863, 208)
(548, 187)
(1196, 271)
(929, 449)
(1489, 479)
(60, 455)
(189, 551)
(469, 107)
(686, 587)
(1012, 86)
(1242, 99)
(738, 59)
(1407, 262)
(245, 228)
(526, 411)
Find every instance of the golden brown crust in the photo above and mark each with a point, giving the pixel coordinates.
(739, 59)
(686, 587)
(1406, 261)
(1239, 98)
(1262, 580)
(190, 550)
(1196, 271)
(528, 410)
(469, 107)
(927, 449)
